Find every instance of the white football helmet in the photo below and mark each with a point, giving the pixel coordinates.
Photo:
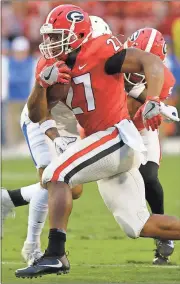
(99, 26)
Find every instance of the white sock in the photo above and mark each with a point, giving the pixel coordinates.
(27, 192)
(38, 210)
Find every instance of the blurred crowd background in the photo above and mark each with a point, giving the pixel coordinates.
(21, 21)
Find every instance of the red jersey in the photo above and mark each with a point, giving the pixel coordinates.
(98, 100)
(169, 82)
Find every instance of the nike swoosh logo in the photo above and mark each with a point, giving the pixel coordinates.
(81, 67)
(58, 265)
(153, 106)
(49, 75)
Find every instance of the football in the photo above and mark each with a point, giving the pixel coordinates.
(56, 93)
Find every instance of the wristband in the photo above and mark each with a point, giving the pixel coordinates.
(47, 124)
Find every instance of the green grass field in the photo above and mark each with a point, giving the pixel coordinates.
(99, 250)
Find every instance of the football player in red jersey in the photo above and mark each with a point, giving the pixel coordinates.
(150, 40)
(109, 151)
(60, 129)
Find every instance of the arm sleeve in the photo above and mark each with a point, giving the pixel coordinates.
(114, 64)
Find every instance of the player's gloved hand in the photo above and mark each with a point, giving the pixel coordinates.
(170, 112)
(59, 72)
(151, 113)
(61, 143)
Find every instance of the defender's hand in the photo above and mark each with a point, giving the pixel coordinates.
(62, 143)
(59, 72)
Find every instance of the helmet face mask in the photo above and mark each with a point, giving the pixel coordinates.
(57, 42)
(67, 27)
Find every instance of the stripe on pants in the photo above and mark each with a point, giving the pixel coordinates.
(83, 152)
(93, 160)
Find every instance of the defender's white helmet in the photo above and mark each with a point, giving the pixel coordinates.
(99, 26)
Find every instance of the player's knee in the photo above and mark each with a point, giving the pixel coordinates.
(130, 229)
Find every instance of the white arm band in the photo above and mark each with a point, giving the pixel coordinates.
(47, 124)
(136, 91)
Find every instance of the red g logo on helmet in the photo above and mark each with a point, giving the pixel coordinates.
(76, 16)
(134, 36)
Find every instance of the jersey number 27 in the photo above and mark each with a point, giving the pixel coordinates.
(84, 79)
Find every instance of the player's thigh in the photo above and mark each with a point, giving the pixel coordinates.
(124, 195)
(152, 143)
(37, 144)
(100, 155)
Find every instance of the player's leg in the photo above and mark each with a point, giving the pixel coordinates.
(127, 203)
(149, 171)
(36, 220)
(17, 197)
(93, 158)
(89, 159)
(20, 197)
(162, 227)
(153, 188)
(124, 196)
(154, 191)
(37, 214)
(98, 156)
(38, 207)
(154, 196)
(41, 157)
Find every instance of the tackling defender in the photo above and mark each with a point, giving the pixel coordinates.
(112, 141)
